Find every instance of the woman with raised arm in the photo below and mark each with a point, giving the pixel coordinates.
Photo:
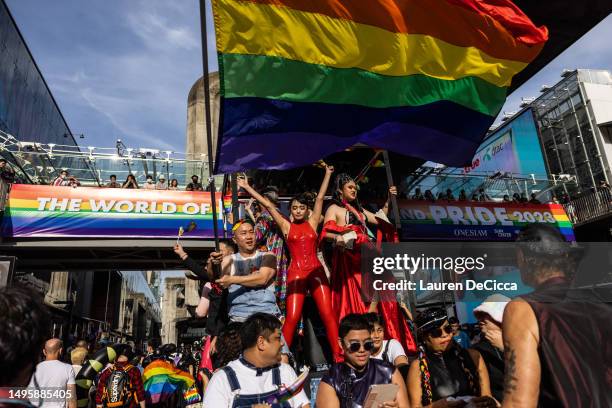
(305, 271)
(346, 228)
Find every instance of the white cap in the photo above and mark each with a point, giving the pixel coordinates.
(494, 306)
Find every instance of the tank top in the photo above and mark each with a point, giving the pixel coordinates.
(243, 301)
(302, 244)
(352, 386)
(575, 347)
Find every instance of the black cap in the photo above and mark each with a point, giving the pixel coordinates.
(430, 319)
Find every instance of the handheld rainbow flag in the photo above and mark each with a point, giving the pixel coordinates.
(162, 380)
(301, 79)
(286, 393)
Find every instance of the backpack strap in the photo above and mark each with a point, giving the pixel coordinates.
(231, 377)
(276, 377)
(385, 354)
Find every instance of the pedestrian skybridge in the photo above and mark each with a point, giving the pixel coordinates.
(82, 224)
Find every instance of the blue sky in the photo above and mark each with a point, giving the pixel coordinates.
(123, 69)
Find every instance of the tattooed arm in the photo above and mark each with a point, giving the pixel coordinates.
(522, 371)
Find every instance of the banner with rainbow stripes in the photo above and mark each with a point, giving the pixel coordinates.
(49, 211)
(301, 79)
(477, 221)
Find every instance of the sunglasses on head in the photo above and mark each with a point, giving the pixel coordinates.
(355, 346)
(437, 332)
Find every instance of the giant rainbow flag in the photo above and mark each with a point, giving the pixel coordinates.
(301, 79)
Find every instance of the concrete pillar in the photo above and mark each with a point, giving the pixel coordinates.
(58, 289)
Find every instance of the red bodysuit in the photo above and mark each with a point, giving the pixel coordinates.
(306, 273)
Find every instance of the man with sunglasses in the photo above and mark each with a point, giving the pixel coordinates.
(346, 385)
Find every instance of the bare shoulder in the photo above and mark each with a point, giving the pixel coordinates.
(518, 317)
(517, 310)
(332, 209)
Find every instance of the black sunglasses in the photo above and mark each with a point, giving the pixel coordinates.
(437, 332)
(355, 346)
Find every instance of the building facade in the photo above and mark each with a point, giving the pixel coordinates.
(574, 119)
(197, 143)
(29, 114)
(178, 302)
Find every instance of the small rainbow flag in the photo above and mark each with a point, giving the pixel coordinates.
(424, 78)
(162, 380)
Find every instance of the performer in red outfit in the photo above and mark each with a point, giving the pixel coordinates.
(305, 271)
(342, 218)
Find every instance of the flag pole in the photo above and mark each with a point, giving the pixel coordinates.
(211, 180)
(396, 216)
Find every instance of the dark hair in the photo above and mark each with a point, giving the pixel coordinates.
(113, 175)
(453, 320)
(195, 175)
(24, 328)
(374, 318)
(258, 324)
(353, 321)
(229, 345)
(302, 198)
(154, 343)
(172, 182)
(228, 242)
(341, 180)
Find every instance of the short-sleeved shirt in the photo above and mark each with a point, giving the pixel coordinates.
(394, 351)
(219, 392)
(55, 374)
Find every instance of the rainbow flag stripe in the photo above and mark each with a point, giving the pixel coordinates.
(404, 75)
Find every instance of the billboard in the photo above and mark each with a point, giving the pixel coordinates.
(513, 148)
(50, 211)
(476, 221)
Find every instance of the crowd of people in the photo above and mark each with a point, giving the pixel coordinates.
(545, 348)
(150, 184)
(65, 179)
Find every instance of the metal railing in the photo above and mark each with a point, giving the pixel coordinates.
(589, 207)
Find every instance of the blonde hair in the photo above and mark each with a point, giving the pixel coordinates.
(78, 355)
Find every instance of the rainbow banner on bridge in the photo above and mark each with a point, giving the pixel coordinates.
(49, 211)
(477, 221)
(302, 79)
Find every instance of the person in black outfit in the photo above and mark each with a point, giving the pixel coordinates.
(346, 385)
(444, 369)
(217, 310)
(491, 346)
(194, 185)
